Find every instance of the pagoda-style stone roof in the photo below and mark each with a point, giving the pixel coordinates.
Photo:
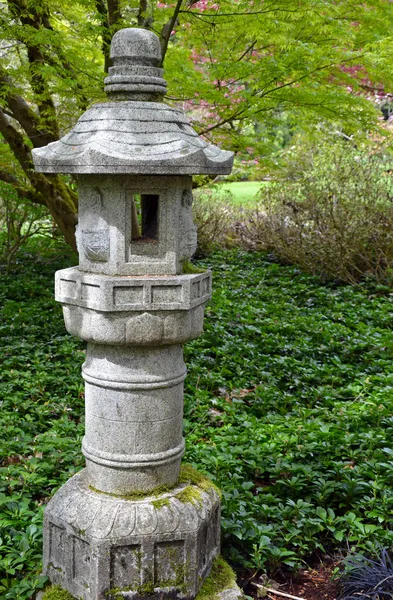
(133, 137)
(134, 132)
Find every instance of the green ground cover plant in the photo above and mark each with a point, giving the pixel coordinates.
(288, 409)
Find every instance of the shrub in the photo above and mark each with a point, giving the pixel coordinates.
(216, 219)
(330, 212)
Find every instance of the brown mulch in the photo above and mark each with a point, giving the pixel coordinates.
(310, 584)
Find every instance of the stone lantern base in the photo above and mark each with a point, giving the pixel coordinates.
(98, 546)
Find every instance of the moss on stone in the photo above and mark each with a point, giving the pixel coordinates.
(52, 566)
(188, 475)
(117, 592)
(189, 269)
(55, 592)
(158, 491)
(190, 494)
(220, 579)
(146, 589)
(160, 503)
(191, 476)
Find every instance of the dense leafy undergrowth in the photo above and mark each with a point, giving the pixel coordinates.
(288, 408)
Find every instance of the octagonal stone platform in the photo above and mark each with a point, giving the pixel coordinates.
(142, 311)
(98, 546)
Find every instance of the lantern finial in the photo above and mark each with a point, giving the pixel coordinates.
(135, 75)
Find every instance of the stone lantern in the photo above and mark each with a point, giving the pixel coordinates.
(127, 524)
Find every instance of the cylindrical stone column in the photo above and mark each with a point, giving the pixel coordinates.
(134, 413)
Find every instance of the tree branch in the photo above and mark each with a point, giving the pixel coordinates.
(59, 58)
(23, 192)
(110, 16)
(141, 17)
(271, 8)
(31, 18)
(8, 178)
(48, 187)
(232, 117)
(25, 115)
(247, 50)
(114, 12)
(167, 30)
(106, 39)
(16, 143)
(293, 81)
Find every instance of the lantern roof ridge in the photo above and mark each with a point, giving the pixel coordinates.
(134, 132)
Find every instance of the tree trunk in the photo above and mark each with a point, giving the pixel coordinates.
(66, 221)
(62, 203)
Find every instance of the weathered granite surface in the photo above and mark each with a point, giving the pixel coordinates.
(135, 138)
(104, 234)
(230, 593)
(136, 55)
(118, 294)
(138, 311)
(212, 589)
(156, 546)
(134, 416)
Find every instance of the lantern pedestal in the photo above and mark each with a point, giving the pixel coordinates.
(104, 535)
(102, 546)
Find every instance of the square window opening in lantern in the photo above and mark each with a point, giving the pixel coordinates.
(144, 218)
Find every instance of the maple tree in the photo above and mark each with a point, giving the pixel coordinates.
(233, 65)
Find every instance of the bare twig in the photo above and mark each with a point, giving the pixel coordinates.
(276, 592)
(234, 116)
(284, 595)
(246, 51)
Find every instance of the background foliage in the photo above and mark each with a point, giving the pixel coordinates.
(246, 73)
(329, 210)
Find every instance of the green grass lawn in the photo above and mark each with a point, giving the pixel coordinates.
(288, 408)
(243, 192)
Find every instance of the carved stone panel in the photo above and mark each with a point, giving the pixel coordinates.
(169, 564)
(95, 244)
(81, 561)
(125, 568)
